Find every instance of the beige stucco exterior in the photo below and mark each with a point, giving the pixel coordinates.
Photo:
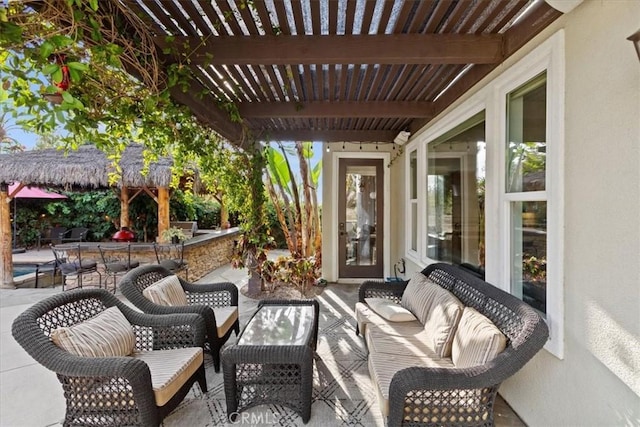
(596, 381)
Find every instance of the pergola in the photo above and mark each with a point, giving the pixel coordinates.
(86, 167)
(331, 70)
(336, 70)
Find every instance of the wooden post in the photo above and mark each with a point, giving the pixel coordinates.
(163, 211)
(6, 267)
(224, 215)
(124, 207)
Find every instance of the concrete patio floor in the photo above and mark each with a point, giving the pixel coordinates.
(31, 395)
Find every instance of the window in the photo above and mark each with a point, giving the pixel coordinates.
(455, 194)
(413, 201)
(498, 205)
(526, 191)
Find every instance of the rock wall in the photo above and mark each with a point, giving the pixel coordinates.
(203, 254)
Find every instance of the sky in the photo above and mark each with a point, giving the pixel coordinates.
(29, 140)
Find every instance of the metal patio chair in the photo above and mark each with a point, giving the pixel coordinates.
(70, 263)
(116, 259)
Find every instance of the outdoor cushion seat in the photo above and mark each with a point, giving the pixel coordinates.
(226, 318)
(384, 366)
(170, 369)
(172, 264)
(76, 266)
(121, 266)
(217, 303)
(117, 366)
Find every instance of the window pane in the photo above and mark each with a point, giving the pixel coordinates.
(526, 136)
(413, 171)
(414, 226)
(361, 215)
(529, 253)
(455, 194)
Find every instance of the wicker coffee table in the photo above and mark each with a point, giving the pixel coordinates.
(272, 361)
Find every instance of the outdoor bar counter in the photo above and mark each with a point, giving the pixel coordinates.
(204, 252)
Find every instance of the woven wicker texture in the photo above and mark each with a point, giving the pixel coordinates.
(110, 391)
(203, 298)
(423, 396)
(274, 374)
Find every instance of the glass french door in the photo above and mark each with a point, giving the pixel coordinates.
(360, 218)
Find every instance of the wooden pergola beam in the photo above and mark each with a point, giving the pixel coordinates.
(206, 109)
(537, 18)
(328, 135)
(339, 49)
(377, 109)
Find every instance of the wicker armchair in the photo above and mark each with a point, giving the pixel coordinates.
(109, 391)
(417, 394)
(212, 301)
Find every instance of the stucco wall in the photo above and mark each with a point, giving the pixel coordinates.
(598, 381)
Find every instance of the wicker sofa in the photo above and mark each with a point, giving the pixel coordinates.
(429, 374)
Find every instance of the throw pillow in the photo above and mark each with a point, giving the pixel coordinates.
(442, 319)
(417, 296)
(477, 340)
(109, 334)
(389, 310)
(166, 291)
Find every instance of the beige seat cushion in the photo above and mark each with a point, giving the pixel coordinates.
(383, 366)
(389, 310)
(166, 291)
(442, 320)
(225, 318)
(170, 369)
(108, 334)
(477, 340)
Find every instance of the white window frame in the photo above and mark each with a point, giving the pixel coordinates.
(411, 254)
(549, 57)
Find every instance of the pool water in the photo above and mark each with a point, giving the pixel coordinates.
(21, 270)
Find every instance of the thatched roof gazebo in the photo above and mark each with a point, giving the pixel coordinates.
(86, 167)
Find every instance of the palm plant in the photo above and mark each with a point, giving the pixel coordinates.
(296, 204)
(7, 143)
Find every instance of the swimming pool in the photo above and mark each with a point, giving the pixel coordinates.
(21, 270)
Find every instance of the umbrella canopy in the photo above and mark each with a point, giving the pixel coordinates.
(27, 192)
(20, 191)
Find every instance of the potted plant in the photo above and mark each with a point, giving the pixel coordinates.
(173, 235)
